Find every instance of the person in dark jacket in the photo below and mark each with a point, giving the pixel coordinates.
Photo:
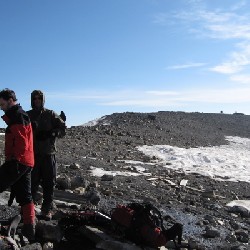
(47, 126)
(19, 158)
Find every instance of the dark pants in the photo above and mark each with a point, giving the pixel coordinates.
(44, 173)
(18, 177)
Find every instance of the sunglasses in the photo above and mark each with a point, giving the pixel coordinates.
(37, 98)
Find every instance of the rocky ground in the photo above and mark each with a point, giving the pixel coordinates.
(200, 206)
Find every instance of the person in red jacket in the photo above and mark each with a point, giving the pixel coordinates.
(19, 158)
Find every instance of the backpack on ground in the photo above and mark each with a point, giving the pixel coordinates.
(142, 223)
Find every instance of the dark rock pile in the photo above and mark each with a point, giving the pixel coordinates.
(200, 205)
(107, 144)
(128, 130)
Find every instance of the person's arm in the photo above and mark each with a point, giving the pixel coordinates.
(59, 126)
(22, 139)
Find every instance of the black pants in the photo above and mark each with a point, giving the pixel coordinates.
(18, 177)
(44, 173)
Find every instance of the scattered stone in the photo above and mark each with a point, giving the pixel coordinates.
(34, 246)
(116, 245)
(79, 190)
(242, 236)
(78, 181)
(244, 212)
(48, 246)
(210, 218)
(211, 233)
(185, 130)
(49, 231)
(63, 182)
(239, 248)
(93, 196)
(75, 166)
(208, 194)
(107, 177)
(183, 183)
(231, 238)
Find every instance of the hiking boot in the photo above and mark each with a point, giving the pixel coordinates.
(29, 231)
(46, 215)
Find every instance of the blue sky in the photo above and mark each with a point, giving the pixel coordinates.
(93, 58)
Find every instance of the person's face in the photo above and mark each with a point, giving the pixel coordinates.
(37, 101)
(5, 105)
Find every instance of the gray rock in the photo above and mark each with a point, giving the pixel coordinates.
(107, 177)
(242, 236)
(49, 231)
(210, 218)
(34, 246)
(234, 225)
(245, 213)
(208, 194)
(239, 248)
(93, 196)
(64, 182)
(116, 245)
(48, 246)
(211, 233)
(78, 181)
(231, 238)
(75, 166)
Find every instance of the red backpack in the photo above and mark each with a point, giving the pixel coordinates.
(142, 223)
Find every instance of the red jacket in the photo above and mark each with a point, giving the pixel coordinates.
(18, 136)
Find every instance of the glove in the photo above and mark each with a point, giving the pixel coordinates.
(63, 116)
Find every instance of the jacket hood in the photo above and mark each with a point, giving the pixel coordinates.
(37, 93)
(10, 114)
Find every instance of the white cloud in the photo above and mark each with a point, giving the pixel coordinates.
(161, 18)
(227, 68)
(213, 24)
(153, 103)
(204, 17)
(159, 98)
(162, 93)
(228, 31)
(186, 66)
(77, 96)
(220, 25)
(230, 95)
(239, 5)
(236, 63)
(241, 78)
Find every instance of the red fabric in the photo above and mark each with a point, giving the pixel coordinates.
(122, 215)
(28, 212)
(153, 236)
(19, 141)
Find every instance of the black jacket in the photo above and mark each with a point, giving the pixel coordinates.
(47, 126)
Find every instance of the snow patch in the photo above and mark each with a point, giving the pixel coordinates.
(240, 203)
(99, 172)
(136, 162)
(226, 162)
(96, 122)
